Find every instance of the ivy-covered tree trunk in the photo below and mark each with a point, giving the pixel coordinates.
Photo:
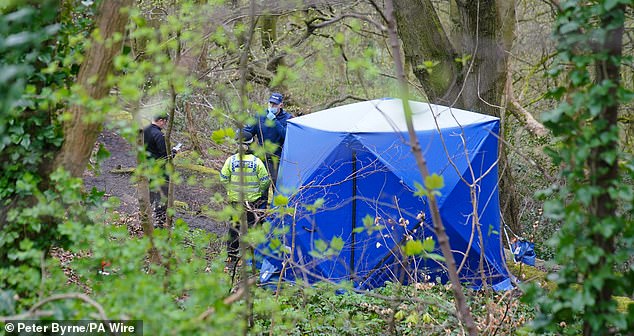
(594, 205)
(465, 68)
(604, 172)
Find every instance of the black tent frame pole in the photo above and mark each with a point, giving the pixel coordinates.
(354, 213)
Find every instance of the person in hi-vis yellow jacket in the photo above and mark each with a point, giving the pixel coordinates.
(246, 174)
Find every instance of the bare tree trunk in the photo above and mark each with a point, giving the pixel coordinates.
(194, 62)
(79, 134)
(268, 35)
(268, 32)
(169, 164)
(479, 35)
(424, 40)
(193, 131)
(244, 274)
(470, 68)
(462, 307)
(145, 209)
(143, 189)
(487, 38)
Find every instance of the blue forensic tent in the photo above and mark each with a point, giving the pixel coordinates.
(355, 162)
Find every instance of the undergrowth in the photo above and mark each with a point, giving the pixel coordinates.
(187, 292)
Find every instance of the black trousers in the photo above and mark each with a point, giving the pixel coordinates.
(233, 241)
(272, 163)
(271, 167)
(158, 199)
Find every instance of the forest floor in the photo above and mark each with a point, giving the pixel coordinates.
(112, 179)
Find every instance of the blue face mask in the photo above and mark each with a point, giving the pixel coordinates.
(273, 110)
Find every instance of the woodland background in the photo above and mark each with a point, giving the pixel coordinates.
(77, 75)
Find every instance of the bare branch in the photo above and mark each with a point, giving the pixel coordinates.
(347, 15)
(340, 100)
(280, 7)
(526, 118)
(34, 312)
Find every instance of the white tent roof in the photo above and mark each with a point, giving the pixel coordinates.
(386, 115)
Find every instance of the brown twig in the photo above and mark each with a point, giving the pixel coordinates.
(228, 300)
(34, 312)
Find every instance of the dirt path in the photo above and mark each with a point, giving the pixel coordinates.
(120, 185)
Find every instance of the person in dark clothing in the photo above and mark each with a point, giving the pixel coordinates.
(154, 139)
(270, 127)
(155, 145)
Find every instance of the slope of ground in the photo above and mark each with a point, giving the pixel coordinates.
(114, 183)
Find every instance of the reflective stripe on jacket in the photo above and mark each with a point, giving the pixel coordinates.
(255, 177)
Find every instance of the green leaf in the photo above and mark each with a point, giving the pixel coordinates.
(220, 136)
(7, 302)
(609, 156)
(568, 27)
(420, 190)
(435, 256)
(102, 153)
(368, 221)
(339, 38)
(610, 4)
(316, 205)
(413, 247)
(336, 243)
(429, 244)
(320, 245)
(412, 318)
(463, 60)
(280, 200)
(434, 182)
(275, 243)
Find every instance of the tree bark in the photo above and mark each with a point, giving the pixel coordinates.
(268, 35)
(479, 33)
(193, 131)
(145, 209)
(194, 62)
(424, 40)
(80, 134)
(470, 67)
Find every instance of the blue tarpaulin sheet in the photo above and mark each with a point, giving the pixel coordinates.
(524, 251)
